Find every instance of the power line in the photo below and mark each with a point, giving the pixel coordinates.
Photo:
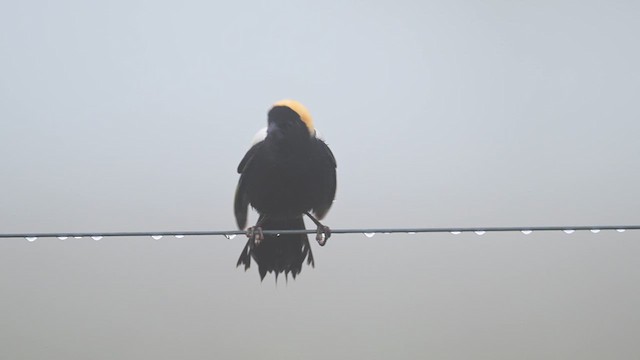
(369, 232)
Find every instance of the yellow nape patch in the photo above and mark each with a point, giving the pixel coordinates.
(301, 110)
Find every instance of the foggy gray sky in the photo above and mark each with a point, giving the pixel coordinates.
(133, 115)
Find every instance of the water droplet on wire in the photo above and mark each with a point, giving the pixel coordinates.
(526, 232)
(569, 231)
(96, 237)
(156, 237)
(77, 237)
(229, 236)
(620, 230)
(369, 234)
(63, 237)
(411, 233)
(480, 232)
(456, 232)
(31, 238)
(595, 231)
(179, 236)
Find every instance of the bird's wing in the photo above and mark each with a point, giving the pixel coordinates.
(326, 179)
(248, 156)
(241, 201)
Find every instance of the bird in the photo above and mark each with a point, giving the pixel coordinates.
(288, 173)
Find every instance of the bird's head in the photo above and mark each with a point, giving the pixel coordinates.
(289, 119)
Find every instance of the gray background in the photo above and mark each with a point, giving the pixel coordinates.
(132, 115)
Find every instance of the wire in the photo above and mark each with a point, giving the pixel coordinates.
(369, 232)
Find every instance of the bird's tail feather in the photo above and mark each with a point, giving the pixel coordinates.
(284, 253)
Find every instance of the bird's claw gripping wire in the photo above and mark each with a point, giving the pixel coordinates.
(255, 234)
(323, 233)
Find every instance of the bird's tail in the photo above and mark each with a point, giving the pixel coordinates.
(284, 253)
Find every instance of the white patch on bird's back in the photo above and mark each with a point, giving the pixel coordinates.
(259, 136)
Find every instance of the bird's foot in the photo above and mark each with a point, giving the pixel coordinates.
(255, 234)
(323, 234)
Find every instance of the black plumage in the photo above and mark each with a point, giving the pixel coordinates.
(279, 254)
(285, 176)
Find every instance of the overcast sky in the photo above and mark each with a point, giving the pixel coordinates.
(133, 115)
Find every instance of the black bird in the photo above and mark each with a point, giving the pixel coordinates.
(288, 174)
